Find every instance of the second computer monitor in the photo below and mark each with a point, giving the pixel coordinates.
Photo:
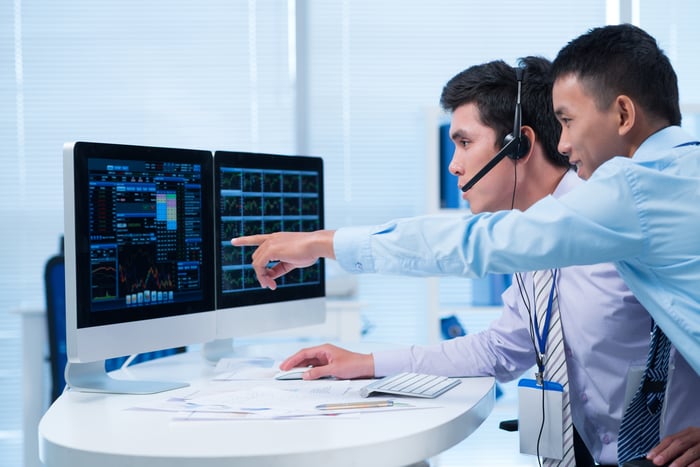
(256, 194)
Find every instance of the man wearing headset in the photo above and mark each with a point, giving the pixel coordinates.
(615, 93)
(606, 330)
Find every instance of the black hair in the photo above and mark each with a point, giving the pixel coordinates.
(622, 60)
(493, 87)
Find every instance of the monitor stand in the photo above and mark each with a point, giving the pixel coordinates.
(92, 377)
(215, 350)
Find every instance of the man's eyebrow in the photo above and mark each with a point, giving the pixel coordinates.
(458, 134)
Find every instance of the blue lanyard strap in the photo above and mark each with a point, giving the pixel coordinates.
(542, 334)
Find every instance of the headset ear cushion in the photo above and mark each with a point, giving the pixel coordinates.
(523, 147)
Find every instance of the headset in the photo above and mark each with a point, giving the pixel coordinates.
(514, 147)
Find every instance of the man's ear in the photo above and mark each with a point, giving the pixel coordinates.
(528, 133)
(626, 114)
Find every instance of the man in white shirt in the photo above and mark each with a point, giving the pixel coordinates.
(606, 330)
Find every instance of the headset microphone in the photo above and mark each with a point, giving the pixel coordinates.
(514, 147)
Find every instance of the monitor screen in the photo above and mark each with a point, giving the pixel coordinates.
(138, 250)
(263, 193)
(149, 264)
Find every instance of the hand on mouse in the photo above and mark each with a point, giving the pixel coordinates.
(329, 360)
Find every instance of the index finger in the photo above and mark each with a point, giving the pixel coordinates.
(304, 357)
(249, 240)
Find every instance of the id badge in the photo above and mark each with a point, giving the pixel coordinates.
(531, 400)
(634, 380)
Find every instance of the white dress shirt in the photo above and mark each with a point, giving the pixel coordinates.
(606, 334)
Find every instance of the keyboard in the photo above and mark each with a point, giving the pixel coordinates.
(411, 384)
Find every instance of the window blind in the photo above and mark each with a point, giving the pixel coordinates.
(212, 74)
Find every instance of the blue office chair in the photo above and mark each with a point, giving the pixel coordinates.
(55, 286)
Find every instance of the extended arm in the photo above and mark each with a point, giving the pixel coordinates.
(583, 227)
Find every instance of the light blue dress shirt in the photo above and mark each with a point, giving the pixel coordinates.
(606, 334)
(641, 213)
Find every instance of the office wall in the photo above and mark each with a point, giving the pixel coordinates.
(353, 85)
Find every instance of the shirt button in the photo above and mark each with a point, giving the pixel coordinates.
(606, 439)
(584, 397)
(569, 353)
(358, 266)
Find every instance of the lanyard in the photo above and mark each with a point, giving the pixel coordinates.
(544, 333)
(689, 143)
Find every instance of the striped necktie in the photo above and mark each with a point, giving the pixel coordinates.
(555, 359)
(639, 430)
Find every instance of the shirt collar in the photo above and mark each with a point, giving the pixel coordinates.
(567, 183)
(661, 141)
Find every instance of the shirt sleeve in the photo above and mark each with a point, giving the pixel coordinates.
(504, 350)
(594, 223)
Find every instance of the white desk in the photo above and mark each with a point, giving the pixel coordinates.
(343, 324)
(83, 429)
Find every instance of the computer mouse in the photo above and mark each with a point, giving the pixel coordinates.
(294, 373)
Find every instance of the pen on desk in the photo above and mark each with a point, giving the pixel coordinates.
(355, 405)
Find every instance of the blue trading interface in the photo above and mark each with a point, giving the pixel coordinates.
(145, 229)
(254, 201)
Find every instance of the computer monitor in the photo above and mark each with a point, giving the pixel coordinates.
(264, 193)
(139, 256)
